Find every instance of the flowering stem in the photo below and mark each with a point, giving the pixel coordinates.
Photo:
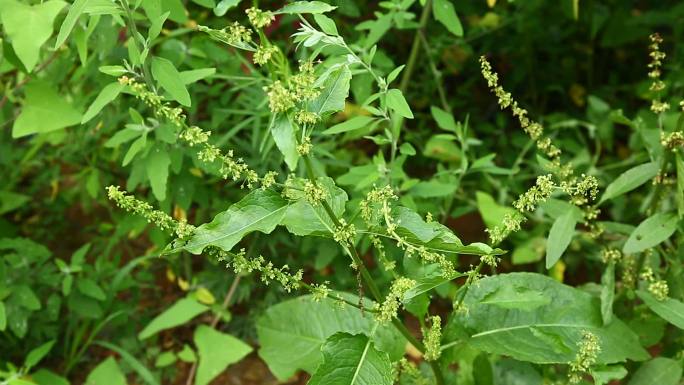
(368, 280)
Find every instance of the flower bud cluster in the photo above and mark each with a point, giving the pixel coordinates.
(657, 287)
(263, 54)
(259, 18)
(305, 147)
(655, 71)
(344, 233)
(389, 308)
(159, 218)
(609, 256)
(299, 89)
(432, 338)
(267, 272)
(672, 140)
(589, 349)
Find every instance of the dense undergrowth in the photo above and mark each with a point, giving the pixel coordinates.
(342, 192)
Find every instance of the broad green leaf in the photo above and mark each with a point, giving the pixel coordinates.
(660, 370)
(284, 137)
(607, 293)
(10, 201)
(44, 110)
(192, 76)
(156, 27)
(605, 374)
(397, 103)
(492, 213)
(560, 236)
(531, 250)
(216, 351)
(680, 184)
(106, 96)
(37, 354)
(29, 27)
(304, 219)
(157, 167)
(170, 79)
(352, 360)
(444, 120)
(260, 210)
(179, 313)
(545, 334)
(629, 180)
(75, 10)
(670, 309)
(510, 297)
(106, 373)
(352, 124)
(327, 24)
(291, 333)
(443, 11)
(334, 93)
(305, 7)
(652, 231)
(165, 359)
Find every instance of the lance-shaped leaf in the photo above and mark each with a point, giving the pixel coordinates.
(650, 232)
(560, 235)
(306, 7)
(670, 309)
(630, 179)
(291, 333)
(283, 134)
(260, 210)
(543, 327)
(352, 360)
(335, 91)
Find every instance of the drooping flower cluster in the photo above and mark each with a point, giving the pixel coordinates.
(655, 72)
(432, 338)
(589, 349)
(159, 218)
(389, 308)
(231, 168)
(505, 99)
(298, 89)
(267, 271)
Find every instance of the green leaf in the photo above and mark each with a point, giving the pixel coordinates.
(352, 359)
(216, 351)
(607, 293)
(179, 313)
(560, 236)
(352, 124)
(224, 5)
(509, 297)
(157, 167)
(444, 120)
(134, 149)
(291, 333)
(113, 70)
(106, 373)
(395, 72)
(545, 334)
(630, 179)
(156, 26)
(443, 11)
(660, 370)
(170, 79)
(283, 134)
(492, 213)
(433, 189)
(26, 297)
(427, 283)
(47, 377)
(680, 185)
(335, 92)
(305, 7)
(605, 374)
(90, 288)
(29, 27)
(327, 24)
(260, 210)
(37, 354)
(3, 317)
(304, 219)
(123, 136)
(652, 231)
(44, 110)
(192, 76)
(106, 96)
(396, 102)
(10, 201)
(670, 309)
(132, 362)
(75, 10)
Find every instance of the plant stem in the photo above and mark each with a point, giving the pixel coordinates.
(415, 47)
